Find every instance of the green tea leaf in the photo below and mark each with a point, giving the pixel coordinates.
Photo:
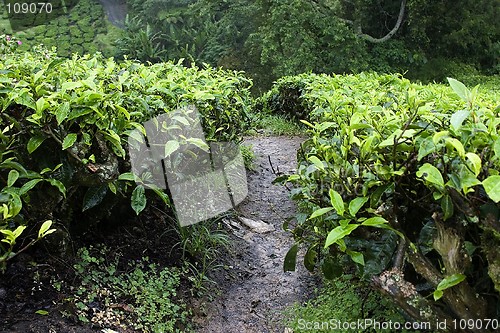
(356, 204)
(310, 258)
(459, 88)
(44, 229)
(496, 147)
(199, 143)
(34, 142)
(71, 85)
(127, 176)
(94, 196)
(446, 283)
(426, 147)
(357, 257)
(458, 118)
(376, 221)
(62, 112)
(337, 202)
(69, 140)
(492, 187)
(447, 207)
(319, 212)
(170, 147)
(475, 162)
(290, 259)
(29, 185)
(457, 145)
(138, 201)
(317, 163)
(431, 174)
(60, 186)
(339, 233)
(12, 177)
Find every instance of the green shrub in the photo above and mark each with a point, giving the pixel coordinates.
(403, 178)
(69, 121)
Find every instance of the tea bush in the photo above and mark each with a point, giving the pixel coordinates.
(403, 179)
(65, 125)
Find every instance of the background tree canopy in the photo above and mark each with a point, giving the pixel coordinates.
(272, 38)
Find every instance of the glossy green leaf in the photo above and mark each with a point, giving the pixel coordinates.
(458, 118)
(138, 201)
(356, 204)
(94, 196)
(457, 145)
(475, 162)
(320, 211)
(62, 112)
(375, 221)
(460, 89)
(12, 177)
(431, 174)
(447, 207)
(448, 282)
(337, 202)
(492, 187)
(198, 143)
(339, 233)
(45, 229)
(34, 142)
(317, 163)
(426, 147)
(310, 258)
(69, 140)
(29, 185)
(357, 257)
(60, 186)
(290, 259)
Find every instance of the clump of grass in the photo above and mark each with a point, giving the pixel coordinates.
(272, 124)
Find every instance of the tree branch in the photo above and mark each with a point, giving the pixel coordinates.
(390, 33)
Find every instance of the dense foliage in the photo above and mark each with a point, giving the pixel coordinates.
(269, 39)
(65, 125)
(401, 178)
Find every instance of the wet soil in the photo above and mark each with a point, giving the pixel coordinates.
(255, 289)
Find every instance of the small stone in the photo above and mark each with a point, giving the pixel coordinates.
(3, 293)
(257, 226)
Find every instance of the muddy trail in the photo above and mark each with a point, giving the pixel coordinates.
(254, 288)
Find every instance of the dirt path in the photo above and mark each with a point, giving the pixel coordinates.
(255, 289)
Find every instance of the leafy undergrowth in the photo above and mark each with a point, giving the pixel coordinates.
(141, 296)
(344, 304)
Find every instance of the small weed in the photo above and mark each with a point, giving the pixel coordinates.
(248, 157)
(143, 297)
(201, 246)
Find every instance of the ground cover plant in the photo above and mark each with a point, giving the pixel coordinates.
(401, 179)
